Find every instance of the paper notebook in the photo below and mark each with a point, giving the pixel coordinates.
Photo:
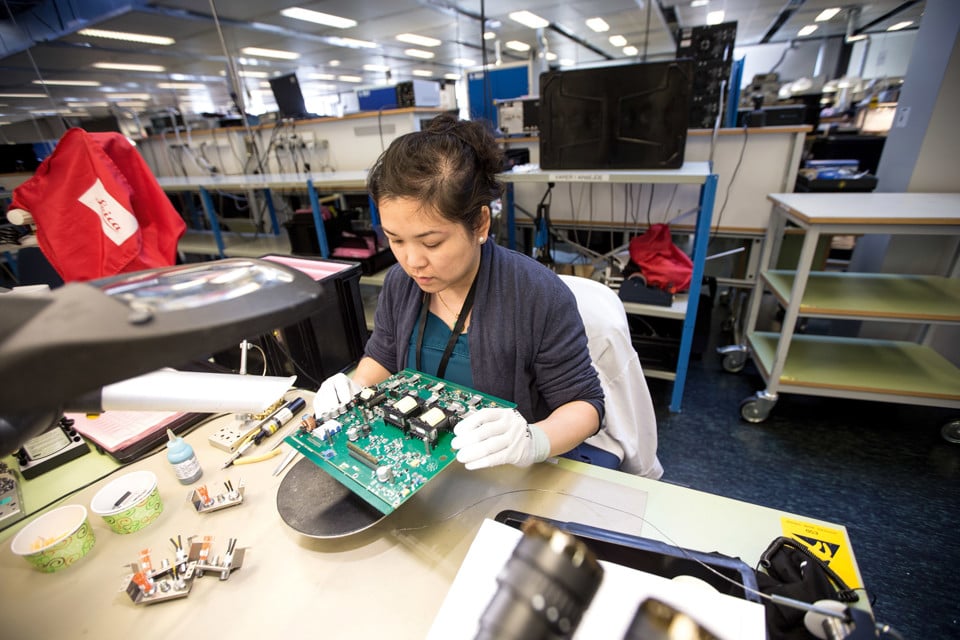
(126, 435)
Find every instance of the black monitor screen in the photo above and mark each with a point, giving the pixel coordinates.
(286, 91)
(619, 117)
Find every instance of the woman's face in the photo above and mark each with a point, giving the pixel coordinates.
(436, 253)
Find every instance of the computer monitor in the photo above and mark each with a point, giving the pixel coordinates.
(615, 117)
(286, 91)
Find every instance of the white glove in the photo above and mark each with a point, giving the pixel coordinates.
(490, 437)
(335, 392)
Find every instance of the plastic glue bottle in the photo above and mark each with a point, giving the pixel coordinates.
(184, 460)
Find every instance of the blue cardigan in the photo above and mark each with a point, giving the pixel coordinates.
(526, 337)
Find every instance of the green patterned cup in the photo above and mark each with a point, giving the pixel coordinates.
(129, 503)
(56, 539)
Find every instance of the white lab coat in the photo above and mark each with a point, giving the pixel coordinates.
(630, 424)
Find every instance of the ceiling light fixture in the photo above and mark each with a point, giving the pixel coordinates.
(900, 25)
(181, 85)
(463, 62)
(529, 19)
(551, 56)
(451, 76)
(807, 30)
(318, 18)
(699, 3)
(128, 96)
(375, 67)
(321, 76)
(715, 17)
(423, 41)
(68, 83)
(857, 38)
(122, 66)
(630, 51)
(270, 53)
(127, 37)
(598, 24)
(618, 41)
(350, 78)
(419, 53)
(516, 45)
(489, 35)
(422, 73)
(352, 43)
(826, 14)
(22, 95)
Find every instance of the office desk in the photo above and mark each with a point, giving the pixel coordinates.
(388, 580)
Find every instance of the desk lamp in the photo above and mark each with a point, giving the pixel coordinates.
(74, 340)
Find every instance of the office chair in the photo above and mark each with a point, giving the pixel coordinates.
(630, 424)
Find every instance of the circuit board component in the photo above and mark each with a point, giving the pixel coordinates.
(391, 439)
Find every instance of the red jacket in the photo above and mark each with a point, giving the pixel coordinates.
(98, 209)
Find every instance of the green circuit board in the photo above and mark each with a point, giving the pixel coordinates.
(391, 439)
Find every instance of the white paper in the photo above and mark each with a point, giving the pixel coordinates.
(612, 609)
(195, 392)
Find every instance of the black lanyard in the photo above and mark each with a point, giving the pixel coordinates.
(457, 327)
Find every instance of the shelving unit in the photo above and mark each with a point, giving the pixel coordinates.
(233, 244)
(860, 368)
(684, 307)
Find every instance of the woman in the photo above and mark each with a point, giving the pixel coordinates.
(466, 310)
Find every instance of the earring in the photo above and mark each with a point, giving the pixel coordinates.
(483, 239)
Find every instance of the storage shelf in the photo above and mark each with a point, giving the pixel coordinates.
(236, 245)
(874, 295)
(860, 368)
(676, 311)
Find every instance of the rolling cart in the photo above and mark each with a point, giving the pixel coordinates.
(859, 368)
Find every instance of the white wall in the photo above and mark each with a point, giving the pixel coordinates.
(887, 55)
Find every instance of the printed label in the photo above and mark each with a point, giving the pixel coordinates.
(117, 223)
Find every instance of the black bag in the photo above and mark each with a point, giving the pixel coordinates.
(787, 568)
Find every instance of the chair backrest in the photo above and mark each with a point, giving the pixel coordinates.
(630, 423)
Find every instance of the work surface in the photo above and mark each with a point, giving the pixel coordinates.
(391, 578)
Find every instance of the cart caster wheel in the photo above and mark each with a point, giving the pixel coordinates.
(735, 361)
(951, 431)
(757, 408)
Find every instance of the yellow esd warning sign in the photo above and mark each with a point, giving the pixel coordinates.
(830, 545)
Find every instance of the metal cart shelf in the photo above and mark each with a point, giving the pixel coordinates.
(860, 368)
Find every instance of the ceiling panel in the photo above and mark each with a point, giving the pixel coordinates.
(198, 55)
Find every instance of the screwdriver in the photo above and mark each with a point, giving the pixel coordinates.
(272, 424)
(268, 427)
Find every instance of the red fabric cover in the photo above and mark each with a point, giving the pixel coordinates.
(661, 262)
(98, 209)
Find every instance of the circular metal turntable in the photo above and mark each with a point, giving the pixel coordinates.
(312, 502)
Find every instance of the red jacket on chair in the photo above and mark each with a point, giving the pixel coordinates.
(98, 209)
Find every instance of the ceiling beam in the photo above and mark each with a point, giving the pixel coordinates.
(788, 10)
(886, 16)
(52, 19)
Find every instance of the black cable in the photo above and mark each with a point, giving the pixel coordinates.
(733, 177)
(650, 204)
(293, 361)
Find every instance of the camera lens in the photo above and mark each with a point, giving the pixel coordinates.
(544, 587)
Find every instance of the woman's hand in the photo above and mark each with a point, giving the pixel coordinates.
(491, 437)
(335, 392)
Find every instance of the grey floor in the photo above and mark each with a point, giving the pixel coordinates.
(880, 469)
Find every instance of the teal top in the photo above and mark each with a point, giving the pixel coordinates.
(435, 338)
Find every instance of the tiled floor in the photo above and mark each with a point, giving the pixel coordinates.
(880, 469)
